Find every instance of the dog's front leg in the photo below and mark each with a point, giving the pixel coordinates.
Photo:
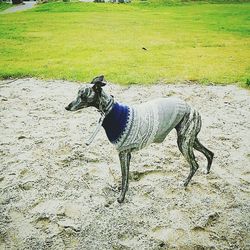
(125, 157)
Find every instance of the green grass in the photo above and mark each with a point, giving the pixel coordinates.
(77, 41)
(4, 6)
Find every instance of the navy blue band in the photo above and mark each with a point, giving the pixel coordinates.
(115, 122)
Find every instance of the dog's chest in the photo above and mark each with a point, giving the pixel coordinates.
(115, 122)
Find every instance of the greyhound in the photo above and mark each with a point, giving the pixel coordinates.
(132, 128)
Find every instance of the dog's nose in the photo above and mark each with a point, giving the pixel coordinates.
(67, 108)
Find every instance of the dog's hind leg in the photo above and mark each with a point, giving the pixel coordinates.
(186, 147)
(209, 155)
(187, 131)
(124, 157)
(198, 146)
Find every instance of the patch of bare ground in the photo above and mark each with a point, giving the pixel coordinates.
(56, 193)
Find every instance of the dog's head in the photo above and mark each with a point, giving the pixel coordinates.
(88, 95)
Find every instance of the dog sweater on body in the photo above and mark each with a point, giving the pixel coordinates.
(134, 127)
(116, 121)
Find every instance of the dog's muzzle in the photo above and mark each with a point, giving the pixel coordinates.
(68, 107)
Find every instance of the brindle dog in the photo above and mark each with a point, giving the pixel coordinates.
(187, 125)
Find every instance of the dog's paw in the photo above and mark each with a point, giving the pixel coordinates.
(120, 199)
(183, 184)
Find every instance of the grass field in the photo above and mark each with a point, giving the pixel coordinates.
(4, 6)
(77, 41)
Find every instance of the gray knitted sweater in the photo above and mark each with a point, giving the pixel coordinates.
(149, 122)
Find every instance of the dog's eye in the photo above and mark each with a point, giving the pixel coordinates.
(83, 96)
(81, 93)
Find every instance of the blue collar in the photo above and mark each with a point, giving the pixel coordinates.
(115, 122)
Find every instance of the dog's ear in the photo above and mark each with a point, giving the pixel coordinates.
(98, 82)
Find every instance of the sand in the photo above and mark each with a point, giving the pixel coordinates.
(57, 193)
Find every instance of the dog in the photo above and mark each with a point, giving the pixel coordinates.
(132, 128)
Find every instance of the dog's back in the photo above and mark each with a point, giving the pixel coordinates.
(151, 122)
(170, 112)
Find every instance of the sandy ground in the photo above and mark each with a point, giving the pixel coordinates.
(57, 193)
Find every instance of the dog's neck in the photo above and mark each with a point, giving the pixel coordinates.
(104, 103)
